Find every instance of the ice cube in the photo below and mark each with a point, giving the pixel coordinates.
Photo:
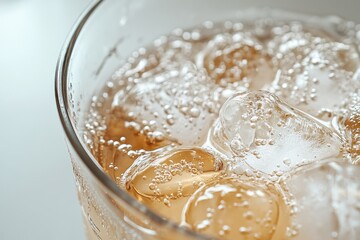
(177, 105)
(230, 208)
(236, 60)
(165, 180)
(314, 74)
(146, 62)
(263, 133)
(327, 201)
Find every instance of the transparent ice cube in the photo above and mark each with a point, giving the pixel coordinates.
(146, 62)
(230, 208)
(164, 180)
(236, 61)
(263, 133)
(315, 74)
(327, 201)
(177, 104)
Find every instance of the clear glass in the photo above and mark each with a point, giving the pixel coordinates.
(105, 34)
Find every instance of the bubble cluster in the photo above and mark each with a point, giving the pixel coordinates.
(352, 127)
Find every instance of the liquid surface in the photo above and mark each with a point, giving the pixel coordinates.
(239, 130)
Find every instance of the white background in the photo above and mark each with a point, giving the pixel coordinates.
(37, 190)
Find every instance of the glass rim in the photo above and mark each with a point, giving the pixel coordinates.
(61, 97)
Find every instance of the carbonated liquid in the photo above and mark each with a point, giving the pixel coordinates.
(239, 130)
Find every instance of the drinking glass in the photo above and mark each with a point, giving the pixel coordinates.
(104, 36)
